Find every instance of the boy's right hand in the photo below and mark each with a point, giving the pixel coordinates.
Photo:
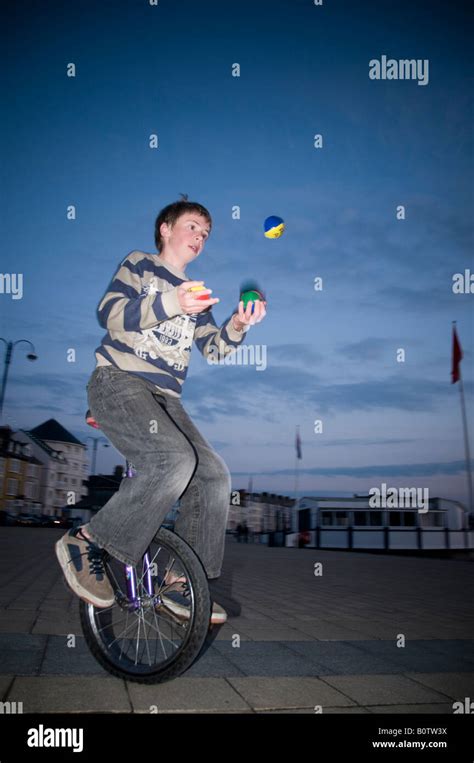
(188, 299)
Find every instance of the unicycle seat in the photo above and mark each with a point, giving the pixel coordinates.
(91, 420)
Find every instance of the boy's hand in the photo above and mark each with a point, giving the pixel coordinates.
(188, 299)
(246, 317)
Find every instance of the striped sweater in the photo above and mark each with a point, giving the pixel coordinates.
(147, 332)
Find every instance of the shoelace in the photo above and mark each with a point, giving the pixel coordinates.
(95, 556)
(96, 560)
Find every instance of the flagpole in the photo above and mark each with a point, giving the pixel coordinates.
(296, 478)
(296, 466)
(466, 437)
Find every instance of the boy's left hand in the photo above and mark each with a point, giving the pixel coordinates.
(246, 317)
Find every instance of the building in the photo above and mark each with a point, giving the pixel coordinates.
(263, 512)
(20, 477)
(64, 464)
(353, 523)
(100, 488)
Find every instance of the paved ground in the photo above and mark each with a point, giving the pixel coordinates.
(306, 640)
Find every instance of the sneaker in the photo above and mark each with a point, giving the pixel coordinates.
(219, 615)
(82, 562)
(177, 602)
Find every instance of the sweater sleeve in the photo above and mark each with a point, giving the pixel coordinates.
(125, 308)
(214, 341)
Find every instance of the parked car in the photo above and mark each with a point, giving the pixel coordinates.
(7, 519)
(59, 522)
(46, 520)
(27, 520)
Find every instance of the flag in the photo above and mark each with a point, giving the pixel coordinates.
(457, 357)
(298, 444)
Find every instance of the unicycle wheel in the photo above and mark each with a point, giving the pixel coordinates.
(153, 632)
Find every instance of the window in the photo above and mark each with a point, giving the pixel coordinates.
(402, 519)
(375, 518)
(433, 519)
(30, 490)
(342, 519)
(12, 487)
(14, 465)
(360, 518)
(31, 471)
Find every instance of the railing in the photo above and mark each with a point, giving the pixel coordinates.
(383, 538)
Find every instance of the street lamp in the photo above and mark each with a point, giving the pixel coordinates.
(8, 357)
(95, 441)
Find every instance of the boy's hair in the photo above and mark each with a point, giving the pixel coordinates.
(170, 214)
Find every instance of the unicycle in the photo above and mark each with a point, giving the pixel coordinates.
(146, 636)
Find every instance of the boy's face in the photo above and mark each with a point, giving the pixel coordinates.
(186, 238)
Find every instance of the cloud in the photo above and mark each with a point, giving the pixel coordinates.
(371, 471)
(372, 348)
(360, 442)
(294, 353)
(232, 391)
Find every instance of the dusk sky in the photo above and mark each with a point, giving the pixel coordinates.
(248, 141)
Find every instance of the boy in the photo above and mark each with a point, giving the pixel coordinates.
(152, 317)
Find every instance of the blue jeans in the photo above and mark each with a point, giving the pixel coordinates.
(173, 461)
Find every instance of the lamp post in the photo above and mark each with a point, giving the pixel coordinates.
(8, 357)
(96, 441)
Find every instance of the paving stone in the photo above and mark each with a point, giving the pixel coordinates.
(48, 694)
(5, 681)
(61, 659)
(187, 695)
(17, 620)
(457, 686)
(369, 690)
(415, 656)
(255, 658)
(57, 626)
(272, 693)
(343, 657)
(420, 709)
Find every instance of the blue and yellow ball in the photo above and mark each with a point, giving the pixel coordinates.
(273, 227)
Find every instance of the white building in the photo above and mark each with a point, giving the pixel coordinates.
(262, 512)
(353, 523)
(64, 461)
